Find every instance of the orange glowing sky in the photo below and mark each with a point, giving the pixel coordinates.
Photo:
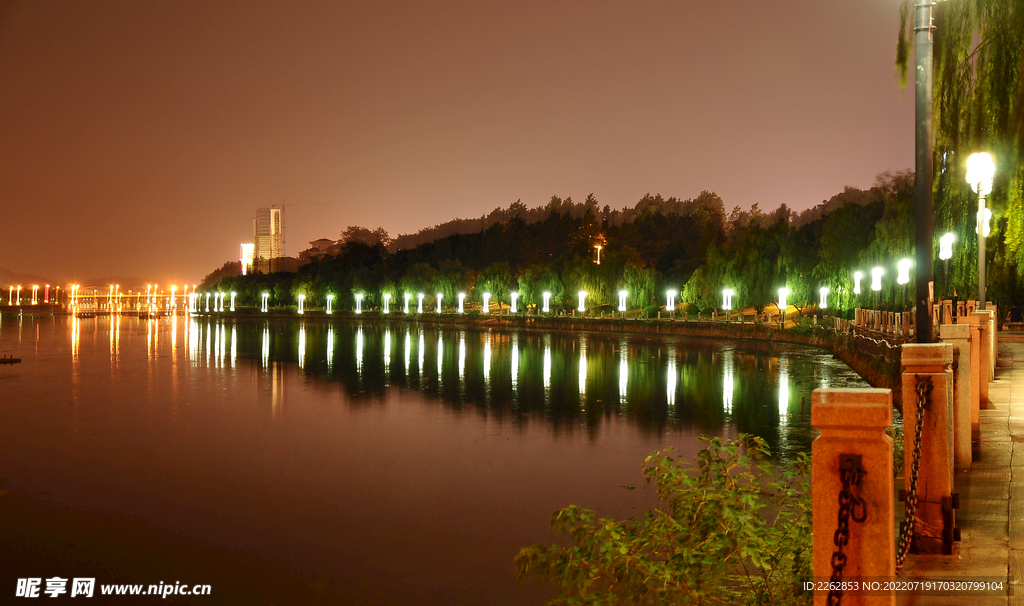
(137, 138)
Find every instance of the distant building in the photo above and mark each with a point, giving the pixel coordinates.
(268, 238)
(318, 249)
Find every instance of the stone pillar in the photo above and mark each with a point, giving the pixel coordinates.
(852, 424)
(972, 322)
(993, 323)
(959, 336)
(947, 312)
(960, 310)
(933, 520)
(984, 352)
(878, 320)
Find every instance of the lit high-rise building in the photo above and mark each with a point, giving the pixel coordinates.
(246, 256)
(268, 237)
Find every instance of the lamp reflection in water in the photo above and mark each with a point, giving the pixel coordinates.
(359, 352)
(419, 355)
(728, 369)
(408, 352)
(671, 381)
(76, 332)
(623, 372)
(462, 355)
(302, 347)
(583, 372)
(266, 347)
(330, 349)
(515, 363)
(547, 366)
(387, 353)
(440, 359)
(783, 390)
(234, 348)
(487, 361)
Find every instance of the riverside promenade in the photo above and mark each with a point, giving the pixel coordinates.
(991, 514)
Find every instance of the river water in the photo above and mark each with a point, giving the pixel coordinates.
(350, 462)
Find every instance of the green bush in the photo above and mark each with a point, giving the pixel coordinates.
(731, 529)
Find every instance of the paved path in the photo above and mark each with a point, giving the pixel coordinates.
(991, 515)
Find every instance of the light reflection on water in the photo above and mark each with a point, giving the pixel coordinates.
(658, 383)
(343, 449)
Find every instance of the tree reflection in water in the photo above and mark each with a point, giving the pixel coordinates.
(572, 381)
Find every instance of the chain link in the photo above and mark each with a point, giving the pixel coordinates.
(923, 388)
(850, 507)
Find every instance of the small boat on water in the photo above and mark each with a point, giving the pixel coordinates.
(85, 314)
(9, 360)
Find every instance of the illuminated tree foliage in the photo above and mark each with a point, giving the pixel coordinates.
(978, 93)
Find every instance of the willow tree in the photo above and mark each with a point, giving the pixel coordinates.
(977, 97)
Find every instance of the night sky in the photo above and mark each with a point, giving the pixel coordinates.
(138, 138)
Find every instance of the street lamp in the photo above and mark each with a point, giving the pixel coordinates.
(783, 292)
(462, 299)
(547, 299)
(515, 298)
(583, 297)
(622, 300)
(980, 169)
(359, 303)
(727, 299)
(857, 277)
(946, 253)
(487, 303)
(823, 297)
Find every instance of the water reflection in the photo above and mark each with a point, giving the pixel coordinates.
(662, 384)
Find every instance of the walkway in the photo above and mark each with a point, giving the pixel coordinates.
(991, 515)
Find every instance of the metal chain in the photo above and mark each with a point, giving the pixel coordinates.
(850, 473)
(923, 388)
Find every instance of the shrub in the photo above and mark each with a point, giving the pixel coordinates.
(731, 529)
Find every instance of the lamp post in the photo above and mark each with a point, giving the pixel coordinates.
(980, 169)
(923, 27)
(783, 292)
(876, 283)
(903, 275)
(946, 253)
(583, 298)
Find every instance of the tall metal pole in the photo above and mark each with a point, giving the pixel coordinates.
(923, 168)
(981, 247)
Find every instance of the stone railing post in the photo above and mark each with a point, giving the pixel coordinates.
(990, 340)
(972, 322)
(961, 308)
(934, 520)
(983, 318)
(852, 424)
(959, 336)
